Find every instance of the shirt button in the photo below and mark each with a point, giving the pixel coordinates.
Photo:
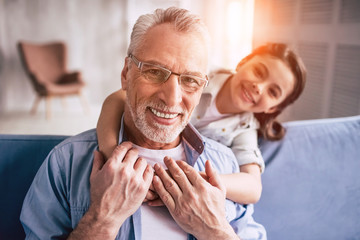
(198, 117)
(223, 129)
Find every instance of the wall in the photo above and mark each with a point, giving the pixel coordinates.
(326, 34)
(95, 32)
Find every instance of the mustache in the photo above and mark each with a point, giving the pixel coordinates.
(163, 107)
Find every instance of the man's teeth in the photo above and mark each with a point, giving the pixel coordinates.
(163, 115)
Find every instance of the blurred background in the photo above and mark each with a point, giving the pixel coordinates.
(325, 33)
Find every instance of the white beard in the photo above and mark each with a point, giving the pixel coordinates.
(157, 132)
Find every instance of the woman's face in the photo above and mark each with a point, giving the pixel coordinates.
(261, 84)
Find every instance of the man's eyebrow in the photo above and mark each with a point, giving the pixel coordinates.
(196, 74)
(192, 73)
(156, 63)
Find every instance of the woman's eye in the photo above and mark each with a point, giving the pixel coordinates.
(258, 72)
(273, 93)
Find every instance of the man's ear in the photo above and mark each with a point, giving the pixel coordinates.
(124, 80)
(271, 110)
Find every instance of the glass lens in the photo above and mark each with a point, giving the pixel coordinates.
(154, 74)
(191, 83)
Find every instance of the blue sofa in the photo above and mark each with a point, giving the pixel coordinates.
(311, 185)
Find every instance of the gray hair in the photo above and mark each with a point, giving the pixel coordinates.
(181, 19)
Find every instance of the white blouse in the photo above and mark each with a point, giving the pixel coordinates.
(237, 131)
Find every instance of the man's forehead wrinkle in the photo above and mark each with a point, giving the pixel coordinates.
(188, 63)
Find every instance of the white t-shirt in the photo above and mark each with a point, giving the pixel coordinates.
(156, 222)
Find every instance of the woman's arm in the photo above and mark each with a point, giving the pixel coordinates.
(244, 187)
(108, 125)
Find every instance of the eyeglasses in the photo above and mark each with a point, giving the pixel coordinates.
(157, 74)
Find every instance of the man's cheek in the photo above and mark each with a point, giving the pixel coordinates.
(193, 102)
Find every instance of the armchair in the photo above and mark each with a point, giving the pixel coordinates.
(46, 66)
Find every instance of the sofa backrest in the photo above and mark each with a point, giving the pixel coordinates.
(311, 183)
(20, 158)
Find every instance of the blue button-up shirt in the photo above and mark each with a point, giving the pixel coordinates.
(60, 193)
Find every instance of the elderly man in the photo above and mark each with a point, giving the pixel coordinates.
(163, 75)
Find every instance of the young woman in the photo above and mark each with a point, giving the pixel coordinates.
(234, 108)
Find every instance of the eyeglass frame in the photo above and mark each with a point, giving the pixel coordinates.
(139, 65)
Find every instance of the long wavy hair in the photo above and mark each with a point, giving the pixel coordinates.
(270, 127)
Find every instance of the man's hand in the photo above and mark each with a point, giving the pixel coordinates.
(119, 186)
(152, 198)
(196, 204)
(117, 189)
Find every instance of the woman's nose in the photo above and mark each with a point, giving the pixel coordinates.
(257, 87)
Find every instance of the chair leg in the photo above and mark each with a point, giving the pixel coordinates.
(48, 107)
(35, 105)
(84, 103)
(63, 101)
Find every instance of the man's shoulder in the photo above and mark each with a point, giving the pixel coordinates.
(214, 146)
(74, 155)
(86, 137)
(76, 148)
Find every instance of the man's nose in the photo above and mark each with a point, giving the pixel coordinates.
(172, 92)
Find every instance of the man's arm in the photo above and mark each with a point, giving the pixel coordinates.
(46, 202)
(117, 189)
(197, 206)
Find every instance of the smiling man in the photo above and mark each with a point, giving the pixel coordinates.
(160, 101)
(77, 197)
